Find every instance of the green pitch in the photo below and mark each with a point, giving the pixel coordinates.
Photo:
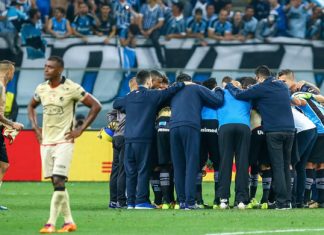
(28, 205)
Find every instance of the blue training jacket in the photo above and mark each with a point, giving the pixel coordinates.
(234, 111)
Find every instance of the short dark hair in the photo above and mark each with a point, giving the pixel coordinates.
(247, 81)
(210, 83)
(156, 73)
(262, 71)
(227, 79)
(57, 59)
(60, 9)
(249, 7)
(210, 4)
(142, 76)
(285, 72)
(183, 77)
(198, 11)
(178, 4)
(32, 12)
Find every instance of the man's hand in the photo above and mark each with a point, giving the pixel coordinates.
(38, 132)
(237, 84)
(73, 134)
(17, 126)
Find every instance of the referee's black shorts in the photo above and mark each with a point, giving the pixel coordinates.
(317, 154)
(258, 148)
(163, 146)
(209, 143)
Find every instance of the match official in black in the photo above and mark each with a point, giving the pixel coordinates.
(141, 107)
(185, 123)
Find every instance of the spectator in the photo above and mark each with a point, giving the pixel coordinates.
(150, 23)
(15, 15)
(44, 6)
(297, 17)
(73, 9)
(221, 29)
(313, 26)
(228, 7)
(125, 15)
(84, 23)
(220, 4)
(107, 24)
(211, 17)
(250, 23)
(266, 27)
(31, 36)
(176, 27)
(9, 34)
(58, 26)
(196, 25)
(238, 26)
(202, 4)
(261, 9)
(281, 19)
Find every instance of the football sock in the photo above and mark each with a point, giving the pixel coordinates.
(292, 178)
(310, 175)
(56, 205)
(320, 185)
(165, 185)
(155, 183)
(66, 210)
(266, 185)
(253, 185)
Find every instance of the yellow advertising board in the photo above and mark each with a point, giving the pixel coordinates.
(92, 158)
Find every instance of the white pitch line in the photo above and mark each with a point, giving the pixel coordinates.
(270, 231)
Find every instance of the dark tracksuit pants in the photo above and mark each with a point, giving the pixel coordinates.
(279, 147)
(137, 168)
(234, 139)
(117, 183)
(185, 148)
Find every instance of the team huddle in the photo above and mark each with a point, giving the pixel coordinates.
(166, 135)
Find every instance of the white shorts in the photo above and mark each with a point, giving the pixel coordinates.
(56, 159)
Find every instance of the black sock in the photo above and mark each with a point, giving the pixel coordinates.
(155, 183)
(266, 185)
(320, 185)
(216, 199)
(199, 198)
(310, 175)
(253, 185)
(165, 185)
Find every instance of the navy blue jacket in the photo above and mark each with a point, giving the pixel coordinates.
(141, 107)
(273, 100)
(187, 104)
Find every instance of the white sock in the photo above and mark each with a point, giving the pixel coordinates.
(66, 210)
(56, 206)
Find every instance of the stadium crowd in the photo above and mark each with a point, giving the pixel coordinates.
(272, 125)
(199, 19)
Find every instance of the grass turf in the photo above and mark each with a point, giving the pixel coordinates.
(28, 205)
